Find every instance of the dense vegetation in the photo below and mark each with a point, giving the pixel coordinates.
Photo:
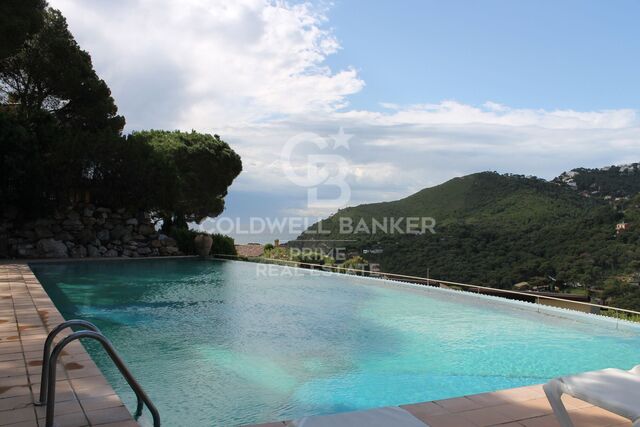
(61, 135)
(613, 181)
(185, 238)
(499, 230)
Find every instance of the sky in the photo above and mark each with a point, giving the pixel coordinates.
(333, 104)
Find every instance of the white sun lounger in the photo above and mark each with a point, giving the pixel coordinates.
(615, 390)
(381, 417)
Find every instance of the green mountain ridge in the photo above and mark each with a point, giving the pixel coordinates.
(610, 182)
(498, 230)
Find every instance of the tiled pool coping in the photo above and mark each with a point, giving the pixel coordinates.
(518, 407)
(85, 398)
(83, 395)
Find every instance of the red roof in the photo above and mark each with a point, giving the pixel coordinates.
(250, 250)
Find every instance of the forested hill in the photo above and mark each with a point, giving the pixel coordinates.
(611, 182)
(499, 230)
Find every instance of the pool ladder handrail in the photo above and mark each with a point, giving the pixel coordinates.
(50, 359)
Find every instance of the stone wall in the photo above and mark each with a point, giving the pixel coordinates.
(83, 231)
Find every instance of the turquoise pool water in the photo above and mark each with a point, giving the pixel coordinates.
(215, 343)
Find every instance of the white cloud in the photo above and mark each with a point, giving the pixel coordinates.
(206, 64)
(254, 71)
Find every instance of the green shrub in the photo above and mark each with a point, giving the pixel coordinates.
(185, 239)
(223, 245)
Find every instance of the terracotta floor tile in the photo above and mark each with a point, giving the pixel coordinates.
(486, 417)
(62, 408)
(109, 415)
(131, 424)
(420, 410)
(448, 420)
(77, 419)
(458, 404)
(103, 402)
(17, 415)
(546, 421)
(490, 399)
(13, 391)
(595, 417)
(525, 409)
(16, 402)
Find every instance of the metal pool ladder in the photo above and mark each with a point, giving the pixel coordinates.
(50, 359)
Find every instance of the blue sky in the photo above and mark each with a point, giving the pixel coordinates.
(428, 90)
(530, 54)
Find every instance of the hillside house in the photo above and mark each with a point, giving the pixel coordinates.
(622, 227)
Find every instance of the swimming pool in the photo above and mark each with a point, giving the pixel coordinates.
(215, 343)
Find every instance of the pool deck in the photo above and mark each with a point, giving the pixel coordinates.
(85, 398)
(83, 395)
(518, 407)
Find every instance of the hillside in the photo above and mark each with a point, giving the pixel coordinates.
(480, 198)
(611, 182)
(497, 230)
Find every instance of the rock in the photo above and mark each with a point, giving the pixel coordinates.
(89, 221)
(103, 210)
(10, 213)
(111, 253)
(28, 234)
(146, 229)
(126, 238)
(171, 250)
(103, 235)
(139, 237)
(132, 221)
(78, 251)
(69, 244)
(156, 243)
(72, 224)
(169, 242)
(102, 249)
(4, 247)
(118, 232)
(87, 212)
(86, 236)
(73, 215)
(50, 248)
(26, 250)
(144, 251)
(43, 232)
(93, 251)
(63, 235)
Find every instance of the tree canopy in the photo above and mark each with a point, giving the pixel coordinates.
(18, 20)
(50, 73)
(181, 176)
(61, 135)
